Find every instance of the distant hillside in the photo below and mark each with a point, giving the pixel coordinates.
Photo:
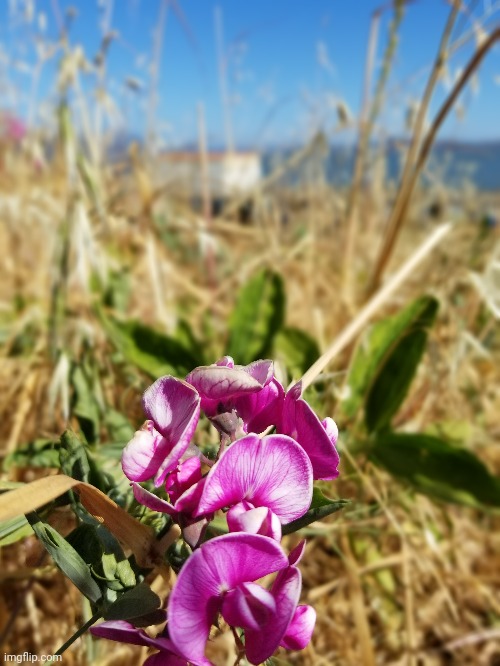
(451, 162)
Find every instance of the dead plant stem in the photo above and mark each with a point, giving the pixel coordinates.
(396, 218)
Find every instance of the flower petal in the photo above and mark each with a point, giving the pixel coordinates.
(146, 498)
(144, 454)
(300, 630)
(261, 644)
(273, 472)
(260, 520)
(248, 606)
(261, 409)
(121, 631)
(318, 440)
(217, 566)
(219, 383)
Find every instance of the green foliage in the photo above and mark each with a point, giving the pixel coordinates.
(149, 350)
(66, 558)
(321, 507)
(434, 467)
(14, 530)
(86, 407)
(386, 361)
(39, 453)
(257, 317)
(136, 603)
(298, 349)
(76, 461)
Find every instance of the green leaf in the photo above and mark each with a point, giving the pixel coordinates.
(77, 462)
(298, 349)
(434, 467)
(87, 544)
(385, 362)
(257, 317)
(133, 604)
(85, 407)
(149, 350)
(14, 530)
(39, 453)
(118, 426)
(66, 558)
(321, 506)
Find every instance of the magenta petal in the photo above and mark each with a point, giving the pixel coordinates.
(248, 606)
(273, 472)
(146, 498)
(216, 567)
(260, 520)
(174, 407)
(165, 659)
(124, 632)
(121, 631)
(262, 409)
(300, 629)
(180, 480)
(297, 553)
(300, 422)
(144, 454)
(260, 645)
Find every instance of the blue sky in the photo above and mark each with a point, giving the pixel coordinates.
(288, 63)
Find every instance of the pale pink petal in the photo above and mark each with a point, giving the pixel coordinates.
(260, 645)
(273, 472)
(331, 429)
(261, 371)
(216, 567)
(260, 520)
(300, 630)
(146, 498)
(220, 383)
(144, 454)
(171, 404)
(226, 361)
(249, 606)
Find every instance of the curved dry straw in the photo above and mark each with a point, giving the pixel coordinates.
(356, 325)
(411, 175)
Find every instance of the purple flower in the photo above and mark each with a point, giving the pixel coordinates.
(184, 511)
(219, 578)
(273, 472)
(173, 409)
(124, 632)
(229, 392)
(316, 437)
(244, 517)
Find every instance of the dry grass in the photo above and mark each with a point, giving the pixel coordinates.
(396, 579)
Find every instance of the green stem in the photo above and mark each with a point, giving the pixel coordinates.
(79, 633)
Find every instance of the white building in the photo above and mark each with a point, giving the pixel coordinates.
(228, 174)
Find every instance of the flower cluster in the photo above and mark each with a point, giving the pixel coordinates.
(261, 481)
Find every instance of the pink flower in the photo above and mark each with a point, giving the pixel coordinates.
(317, 438)
(124, 632)
(230, 392)
(273, 472)
(184, 510)
(173, 409)
(219, 578)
